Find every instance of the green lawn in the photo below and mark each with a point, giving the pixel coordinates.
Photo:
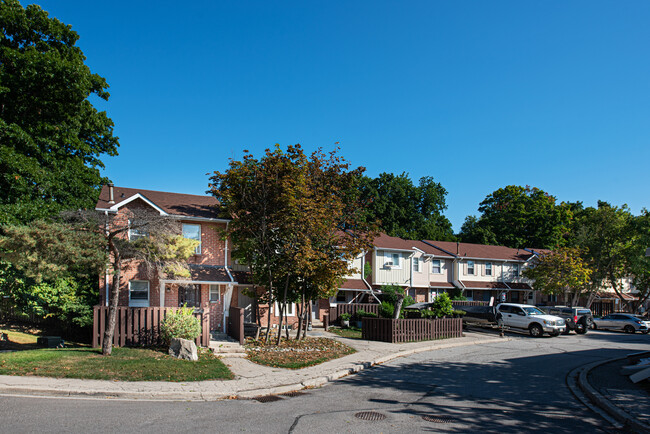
(125, 364)
(297, 354)
(350, 332)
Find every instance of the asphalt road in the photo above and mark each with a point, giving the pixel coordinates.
(515, 386)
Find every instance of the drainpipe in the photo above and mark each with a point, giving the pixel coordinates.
(229, 288)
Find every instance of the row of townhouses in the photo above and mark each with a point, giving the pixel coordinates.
(424, 267)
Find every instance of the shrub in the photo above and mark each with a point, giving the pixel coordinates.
(427, 314)
(363, 314)
(458, 312)
(441, 306)
(386, 309)
(180, 324)
(345, 317)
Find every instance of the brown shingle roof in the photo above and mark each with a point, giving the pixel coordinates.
(384, 241)
(441, 285)
(190, 205)
(482, 251)
(354, 284)
(208, 273)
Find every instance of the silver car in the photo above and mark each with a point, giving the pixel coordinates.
(621, 321)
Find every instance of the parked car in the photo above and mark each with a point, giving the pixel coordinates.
(622, 321)
(527, 317)
(578, 319)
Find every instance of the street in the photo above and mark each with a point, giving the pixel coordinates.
(510, 386)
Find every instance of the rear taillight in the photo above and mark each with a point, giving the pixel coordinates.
(575, 318)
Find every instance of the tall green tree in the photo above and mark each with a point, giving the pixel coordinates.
(519, 217)
(604, 235)
(637, 264)
(295, 221)
(51, 136)
(404, 209)
(562, 272)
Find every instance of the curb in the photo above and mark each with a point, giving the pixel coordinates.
(242, 394)
(598, 399)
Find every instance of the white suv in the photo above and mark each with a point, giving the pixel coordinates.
(527, 317)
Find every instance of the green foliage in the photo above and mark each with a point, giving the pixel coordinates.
(345, 316)
(441, 306)
(458, 312)
(518, 217)
(390, 295)
(428, 314)
(459, 297)
(180, 324)
(404, 209)
(363, 314)
(51, 136)
(367, 270)
(386, 309)
(64, 300)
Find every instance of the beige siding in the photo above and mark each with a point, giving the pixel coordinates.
(446, 274)
(386, 275)
(355, 268)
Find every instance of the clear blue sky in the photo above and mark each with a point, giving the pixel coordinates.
(477, 94)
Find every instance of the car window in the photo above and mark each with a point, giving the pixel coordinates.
(505, 309)
(568, 311)
(584, 312)
(533, 311)
(608, 317)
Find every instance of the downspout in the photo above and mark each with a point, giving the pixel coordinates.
(229, 288)
(363, 277)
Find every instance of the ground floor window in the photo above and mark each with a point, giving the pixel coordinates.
(215, 293)
(290, 309)
(469, 294)
(340, 297)
(139, 293)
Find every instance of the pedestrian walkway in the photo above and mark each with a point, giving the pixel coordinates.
(251, 379)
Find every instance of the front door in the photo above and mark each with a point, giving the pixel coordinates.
(190, 295)
(248, 304)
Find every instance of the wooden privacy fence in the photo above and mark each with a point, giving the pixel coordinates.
(236, 324)
(352, 308)
(140, 326)
(468, 303)
(410, 330)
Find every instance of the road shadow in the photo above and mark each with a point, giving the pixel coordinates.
(522, 394)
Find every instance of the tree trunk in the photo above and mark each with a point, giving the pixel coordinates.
(268, 318)
(398, 305)
(107, 344)
(300, 321)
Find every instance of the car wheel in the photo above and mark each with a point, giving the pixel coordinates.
(536, 331)
(581, 328)
(629, 329)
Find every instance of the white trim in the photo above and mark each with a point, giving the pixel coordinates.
(210, 288)
(396, 250)
(439, 266)
(140, 303)
(162, 294)
(134, 197)
(276, 310)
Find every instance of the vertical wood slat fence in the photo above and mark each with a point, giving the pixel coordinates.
(468, 303)
(236, 324)
(352, 308)
(410, 330)
(140, 326)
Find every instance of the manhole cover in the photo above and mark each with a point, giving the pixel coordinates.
(370, 415)
(437, 419)
(268, 398)
(292, 394)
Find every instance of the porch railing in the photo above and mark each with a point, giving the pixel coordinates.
(140, 326)
(352, 308)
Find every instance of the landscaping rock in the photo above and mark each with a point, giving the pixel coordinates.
(183, 349)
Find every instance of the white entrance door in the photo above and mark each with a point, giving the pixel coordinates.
(247, 303)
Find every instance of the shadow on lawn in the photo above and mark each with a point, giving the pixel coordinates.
(22, 337)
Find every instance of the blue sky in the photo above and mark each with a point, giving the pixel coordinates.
(476, 94)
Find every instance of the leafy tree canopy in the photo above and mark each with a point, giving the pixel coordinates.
(518, 217)
(403, 209)
(51, 136)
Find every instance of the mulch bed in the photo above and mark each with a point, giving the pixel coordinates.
(294, 354)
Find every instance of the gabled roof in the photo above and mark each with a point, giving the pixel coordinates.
(481, 251)
(177, 204)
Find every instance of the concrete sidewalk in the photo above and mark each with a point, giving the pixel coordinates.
(251, 379)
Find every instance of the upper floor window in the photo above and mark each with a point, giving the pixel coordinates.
(436, 267)
(137, 232)
(416, 264)
(193, 232)
(215, 293)
(488, 268)
(470, 267)
(393, 260)
(515, 270)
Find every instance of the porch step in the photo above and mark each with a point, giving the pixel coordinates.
(223, 345)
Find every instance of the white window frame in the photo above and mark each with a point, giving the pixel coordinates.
(473, 268)
(291, 309)
(396, 260)
(515, 270)
(416, 264)
(198, 248)
(138, 302)
(211, 291)
(433, 266)
(488, 268)
(135, 234)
